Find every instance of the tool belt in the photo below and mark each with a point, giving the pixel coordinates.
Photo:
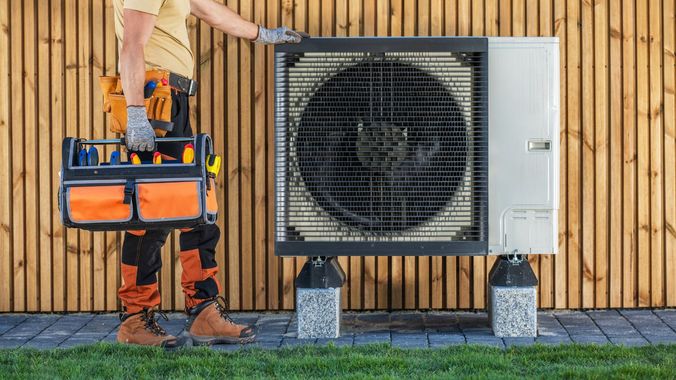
(118, 196)
(158, 105)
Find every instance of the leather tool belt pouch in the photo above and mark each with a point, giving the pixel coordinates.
(122, 197)
(158, 105)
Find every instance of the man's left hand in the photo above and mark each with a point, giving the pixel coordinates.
(280, 35)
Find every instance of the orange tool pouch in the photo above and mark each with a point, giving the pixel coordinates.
(136, 197)
(158, 106)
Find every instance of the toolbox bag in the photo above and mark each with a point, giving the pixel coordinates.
(158, 105)
(121, 197)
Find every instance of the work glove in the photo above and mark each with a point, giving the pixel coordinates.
(140, 135)
(281, 35)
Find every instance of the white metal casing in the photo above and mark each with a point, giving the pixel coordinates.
(523, 117)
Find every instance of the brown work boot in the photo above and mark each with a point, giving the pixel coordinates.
(209, 323)
(142, 328)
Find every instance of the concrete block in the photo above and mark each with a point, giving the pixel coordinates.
(513, 311)
(318, 311)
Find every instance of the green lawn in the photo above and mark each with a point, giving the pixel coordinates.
(570, 361)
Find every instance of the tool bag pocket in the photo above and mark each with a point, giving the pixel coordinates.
(85, 205)
(168, 201)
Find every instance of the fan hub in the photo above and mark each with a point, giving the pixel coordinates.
(381, 146)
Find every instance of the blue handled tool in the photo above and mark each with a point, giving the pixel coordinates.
(149, 89)
(93, 157)
(115, 158)
(82, 158)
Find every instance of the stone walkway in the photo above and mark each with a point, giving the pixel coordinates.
(400, 329)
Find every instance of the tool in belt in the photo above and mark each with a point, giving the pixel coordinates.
(157, 100)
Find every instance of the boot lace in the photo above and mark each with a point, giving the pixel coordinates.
(150, 317)
(222, 307)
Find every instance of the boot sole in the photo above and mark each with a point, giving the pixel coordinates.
(211, 340)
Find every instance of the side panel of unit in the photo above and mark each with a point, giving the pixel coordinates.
(523, 145)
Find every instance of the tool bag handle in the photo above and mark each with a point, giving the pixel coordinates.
(121, 140)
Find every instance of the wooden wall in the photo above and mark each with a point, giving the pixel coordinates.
(618, 160)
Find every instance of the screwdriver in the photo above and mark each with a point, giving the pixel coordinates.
(157, 158)
(93, 156)
(188, 153)
(115, 158)
(82, 157)
(135, 159)
(149, 89)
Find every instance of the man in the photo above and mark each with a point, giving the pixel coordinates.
(154, 34)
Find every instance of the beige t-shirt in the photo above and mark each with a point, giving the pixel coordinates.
(169, 45)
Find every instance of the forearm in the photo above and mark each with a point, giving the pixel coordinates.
(132, 73)
(222, 18)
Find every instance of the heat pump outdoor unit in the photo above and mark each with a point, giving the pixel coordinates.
(416, 146)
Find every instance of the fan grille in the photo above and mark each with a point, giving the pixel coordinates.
(381, 146)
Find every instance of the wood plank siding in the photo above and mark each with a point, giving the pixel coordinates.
(617, 233)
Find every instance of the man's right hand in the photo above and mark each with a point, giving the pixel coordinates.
(140, 134)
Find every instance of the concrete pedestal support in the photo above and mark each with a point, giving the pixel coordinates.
(318, 289)
(512, 300)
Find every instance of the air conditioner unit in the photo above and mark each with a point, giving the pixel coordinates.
(416, 146)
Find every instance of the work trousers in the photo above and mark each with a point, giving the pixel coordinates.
(141, 259)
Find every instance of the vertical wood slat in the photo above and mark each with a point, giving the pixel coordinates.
(545, 28)
(629, 238)
(669, 64)
(656, 173)
(561, 260)
(643, 152)
(588, 149)
(16, 158)
(6, 225)
(617, 216)
(574, 131)
(616, 109)
(30, 155)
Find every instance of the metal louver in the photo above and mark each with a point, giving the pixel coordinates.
(381, 146)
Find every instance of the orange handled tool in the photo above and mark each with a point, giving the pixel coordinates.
(135, 159)
(157, 158)
(188, 153)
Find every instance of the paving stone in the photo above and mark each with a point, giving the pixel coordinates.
(588, 339)
(43, 343)
(629, 342)
(518, 341)
(445, 339)
(372, 338)
(667, 316)
(486, 341)
(478, 332)
(343, 341)
(32, 326)
(661, 339)
(8, 342)
(226, 347)
(12, 319)
(297, 342)
(74, 342)
(553, 340)
(405, 343)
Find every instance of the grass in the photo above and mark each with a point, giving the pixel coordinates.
(375, 361)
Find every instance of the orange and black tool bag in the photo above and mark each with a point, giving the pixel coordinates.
(120, 195)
